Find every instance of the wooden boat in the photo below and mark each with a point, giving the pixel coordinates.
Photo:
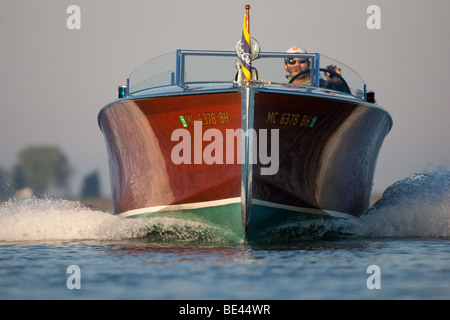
(191, 137)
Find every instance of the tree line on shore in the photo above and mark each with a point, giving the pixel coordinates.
(43, 170)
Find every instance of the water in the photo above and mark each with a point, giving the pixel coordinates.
(405, 235)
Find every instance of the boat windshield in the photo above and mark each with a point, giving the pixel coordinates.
(197, 70)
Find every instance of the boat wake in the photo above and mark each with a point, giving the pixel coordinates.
(36, 219)
(418, 206)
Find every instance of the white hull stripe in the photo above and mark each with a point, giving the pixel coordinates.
(336, 214)
(179, 207)
(217, 203)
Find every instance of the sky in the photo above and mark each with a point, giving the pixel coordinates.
(54, 80)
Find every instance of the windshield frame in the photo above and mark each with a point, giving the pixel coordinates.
(175, 69)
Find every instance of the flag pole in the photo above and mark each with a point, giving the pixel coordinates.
(247, 12)
(246, 46)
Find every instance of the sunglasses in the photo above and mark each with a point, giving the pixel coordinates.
(293, 61)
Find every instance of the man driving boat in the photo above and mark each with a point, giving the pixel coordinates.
(294, 66)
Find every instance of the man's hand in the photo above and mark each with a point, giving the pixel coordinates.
(331, 78)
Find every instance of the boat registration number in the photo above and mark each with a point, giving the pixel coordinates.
(207, 118)
(291, 119)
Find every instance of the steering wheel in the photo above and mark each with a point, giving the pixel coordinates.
(345, 87)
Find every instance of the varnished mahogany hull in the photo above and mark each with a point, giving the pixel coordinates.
(327, 155)
(138, 136)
